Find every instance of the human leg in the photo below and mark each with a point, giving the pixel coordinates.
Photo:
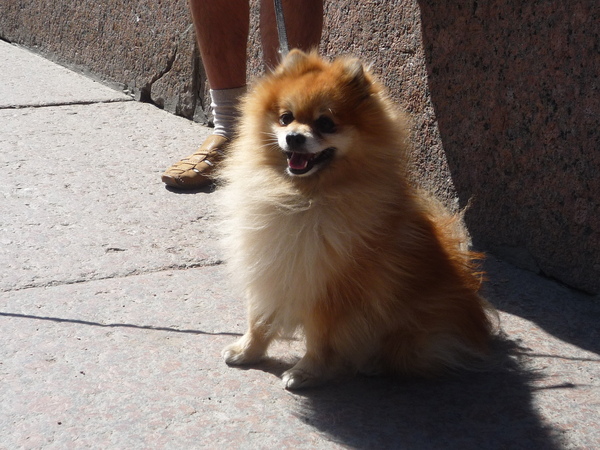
(222, 28)
(304, 24)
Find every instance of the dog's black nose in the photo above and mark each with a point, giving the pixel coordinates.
(295, 140)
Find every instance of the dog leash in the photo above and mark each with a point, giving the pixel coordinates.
(284, 48)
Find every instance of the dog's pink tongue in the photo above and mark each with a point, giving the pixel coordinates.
(298, 161)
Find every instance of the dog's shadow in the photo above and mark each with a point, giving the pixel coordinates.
(483, 410)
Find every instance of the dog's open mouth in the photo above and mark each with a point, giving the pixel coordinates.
(300, 163)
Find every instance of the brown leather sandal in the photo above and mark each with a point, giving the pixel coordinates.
(195, 171)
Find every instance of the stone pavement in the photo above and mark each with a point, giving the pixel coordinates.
(114, 306)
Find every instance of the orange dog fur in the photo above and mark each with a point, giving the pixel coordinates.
(325, 233)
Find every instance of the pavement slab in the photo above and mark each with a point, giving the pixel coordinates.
(134, 362)
(28, 80)
(115, 305)
(82, 185)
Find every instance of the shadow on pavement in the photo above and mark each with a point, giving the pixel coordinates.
(477, 410)
(204, 189)
(115, 325)
(566, 314)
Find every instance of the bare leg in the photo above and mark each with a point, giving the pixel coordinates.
(222, 32)
(222, 28)
(304, 23)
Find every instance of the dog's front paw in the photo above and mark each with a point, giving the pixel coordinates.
(294, 379)
(238, 354)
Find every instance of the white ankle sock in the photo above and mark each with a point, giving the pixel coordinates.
(224, 105)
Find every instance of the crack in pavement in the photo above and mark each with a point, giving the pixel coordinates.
(72, 103)
(132, 273)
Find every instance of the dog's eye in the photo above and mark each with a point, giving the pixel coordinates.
(325, 124)
(286, 118)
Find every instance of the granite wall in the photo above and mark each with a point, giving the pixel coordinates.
(516, 90)
(145, 47)
(504, 97)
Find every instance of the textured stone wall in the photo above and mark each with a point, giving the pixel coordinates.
(146, 47)
(504, 99)
(516, 90)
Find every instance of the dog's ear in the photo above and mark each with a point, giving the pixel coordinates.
(292, 60)
(355, 74)
(354, 70)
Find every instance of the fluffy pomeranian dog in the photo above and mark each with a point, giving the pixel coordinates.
(325, 233)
